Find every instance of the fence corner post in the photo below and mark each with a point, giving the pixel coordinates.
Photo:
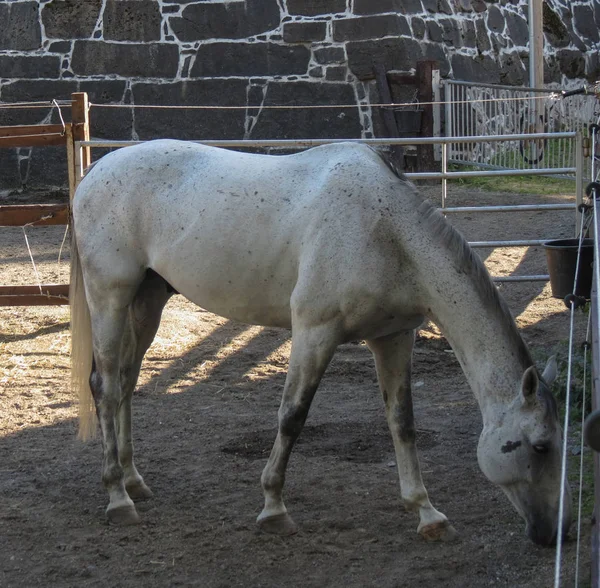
(80, 119)
(424, 73)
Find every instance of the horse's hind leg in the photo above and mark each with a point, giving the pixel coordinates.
(312, 349)
(108, 315)
(142, 323)
(393, 357)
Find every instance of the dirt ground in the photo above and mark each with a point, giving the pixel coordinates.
(204, 421)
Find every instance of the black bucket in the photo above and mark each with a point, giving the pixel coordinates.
(561, 256)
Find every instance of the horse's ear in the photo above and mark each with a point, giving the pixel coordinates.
(550, 371)
(529, 385)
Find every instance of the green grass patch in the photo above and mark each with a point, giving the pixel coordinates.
(540, 185)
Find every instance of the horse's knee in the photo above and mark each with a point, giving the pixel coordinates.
(401, 418)
(95, 382)
(292, 418)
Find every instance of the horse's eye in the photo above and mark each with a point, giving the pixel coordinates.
(541, 448)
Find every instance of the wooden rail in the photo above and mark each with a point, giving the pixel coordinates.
(37, 215)
(45, 294)
(32, 136)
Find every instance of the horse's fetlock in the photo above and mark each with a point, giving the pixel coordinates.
(415, 501)
(272, 481)
(112, 474)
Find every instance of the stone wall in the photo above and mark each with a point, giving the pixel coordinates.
(256, 54)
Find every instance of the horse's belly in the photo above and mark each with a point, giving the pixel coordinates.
(236, 291)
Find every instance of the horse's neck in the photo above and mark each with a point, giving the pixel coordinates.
(464, 303)
(492, 357)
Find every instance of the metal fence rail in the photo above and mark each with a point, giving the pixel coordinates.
(485, 109)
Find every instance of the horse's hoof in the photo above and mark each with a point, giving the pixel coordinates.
(281, 524)
(442, 531)
(123, 515)
(139, 491)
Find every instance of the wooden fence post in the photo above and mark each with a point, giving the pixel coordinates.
(424, 75)
(389, 120)
(80, 118)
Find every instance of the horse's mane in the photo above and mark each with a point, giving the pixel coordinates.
(470, 264)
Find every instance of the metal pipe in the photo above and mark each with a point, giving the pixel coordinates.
(314, 142)
(510, 208)
(578, 180)
(501, 87)
(491, 173)
(522, 243)
(537, 278)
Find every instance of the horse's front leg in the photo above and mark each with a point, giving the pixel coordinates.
(393, 357)
(312, 349)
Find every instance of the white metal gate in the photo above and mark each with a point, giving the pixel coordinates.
(473, 109)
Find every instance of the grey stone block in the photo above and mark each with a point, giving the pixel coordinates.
(478, 69)
(437, 6)
(157, 60)
(103, 91)
(512, 69)
(250, 59)
(583, 17)
(29, 66)
(434, 31)
(327, 55)
(60, 47)
(370, 27)
(469, 34)
(20, 29)
(451, 34)
(10, 176)
(316, 7)
(558, 25)
(232, 20)
(38, 90)
(551, 69)
(192, 123)
(518, 29)
(48, 168)
(132, 20)
(336, 73)
(395, 53)
(483, 36)
(437, 53)
(299, 123)
(418, 27)
(304, 32)
(70, 19)
(571, 63)
(592, 67)
(380, 6)
(495, 20)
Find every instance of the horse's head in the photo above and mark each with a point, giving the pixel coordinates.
(520, 450)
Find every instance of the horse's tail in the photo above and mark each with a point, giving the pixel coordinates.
(81, 348)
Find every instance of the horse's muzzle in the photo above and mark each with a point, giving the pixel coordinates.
(543, 532)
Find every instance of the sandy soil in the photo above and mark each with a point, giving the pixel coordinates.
(205, 419)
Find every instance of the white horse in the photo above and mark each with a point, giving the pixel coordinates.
(331, 243)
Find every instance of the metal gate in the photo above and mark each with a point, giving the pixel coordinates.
(488, 110)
